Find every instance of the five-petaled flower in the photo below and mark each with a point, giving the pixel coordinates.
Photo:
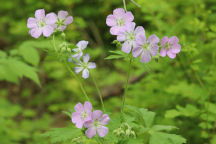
(170, 47)
(85, 66)
(63, 20)
(81, 45)
(97, 124)
(82, 114)
(41, 23)
(146, 47)
(129, 37)
(118, 20)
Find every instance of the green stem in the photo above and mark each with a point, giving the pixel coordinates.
(79, 81)
(98, 91)
(124, 5)
(126, 85)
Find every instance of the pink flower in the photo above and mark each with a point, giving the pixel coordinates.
(170, 47)
(146, 47)
(63, 20)
(82, 114)
(118, 20)
(97, 124)
(41, 24)
(128, 37)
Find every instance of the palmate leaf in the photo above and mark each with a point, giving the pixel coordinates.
(57, 135)
(30, 55)
(165, 138)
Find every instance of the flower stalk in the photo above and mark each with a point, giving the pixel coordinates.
(98, 91)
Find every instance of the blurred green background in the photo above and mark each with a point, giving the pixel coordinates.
(181, 91)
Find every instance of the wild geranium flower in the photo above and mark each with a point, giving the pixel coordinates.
(146, 47)
(41, 23)
(97, 124)
(129, 37)
(82, 114)
(170, 47)
(85, 66)
(118, 20)
(81, 45)
(63, 20)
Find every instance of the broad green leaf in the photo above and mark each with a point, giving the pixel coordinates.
(30, 55)
(62, 134)
(165, 138)
(114, 57)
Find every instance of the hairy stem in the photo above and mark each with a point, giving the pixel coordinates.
(124, 2)
(126, 85)
(79, 81)
(98, 91)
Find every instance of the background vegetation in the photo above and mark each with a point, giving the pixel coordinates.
(35, 88)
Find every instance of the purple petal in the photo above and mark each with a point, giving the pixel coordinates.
(114, 30)
(78, 69)
(154, 49)
(163, 52)
(126, 47)
(139, 30)
(51, 18)
(121, 37)
(35, 32)
(82, 44)
(40, 13)
(76, 119)
(85, 73)
(130, 27)
(90, 132)
(173, 40)
(153, 39)
(164, 40)
(129, 17)
(171, 55)
(137, 51)
(119, 12)
(62, 14)
(86, 58)
(88, 106)
(31, 23)
(96, 114)
(47, 30)
(77, 55)
(88, 124)
(105, 119)
(145, 57)
(111, 20)
(141, 39)
(68, 20)
(78, 107)
(176, 48)
(91, 65)
(102, 131)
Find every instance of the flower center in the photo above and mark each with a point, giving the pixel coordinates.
(131, 36)
(146, 46)
(96, 123)
(120, 22)
(167, 45)
(84, 115)
(41, 23)
(60, 22)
